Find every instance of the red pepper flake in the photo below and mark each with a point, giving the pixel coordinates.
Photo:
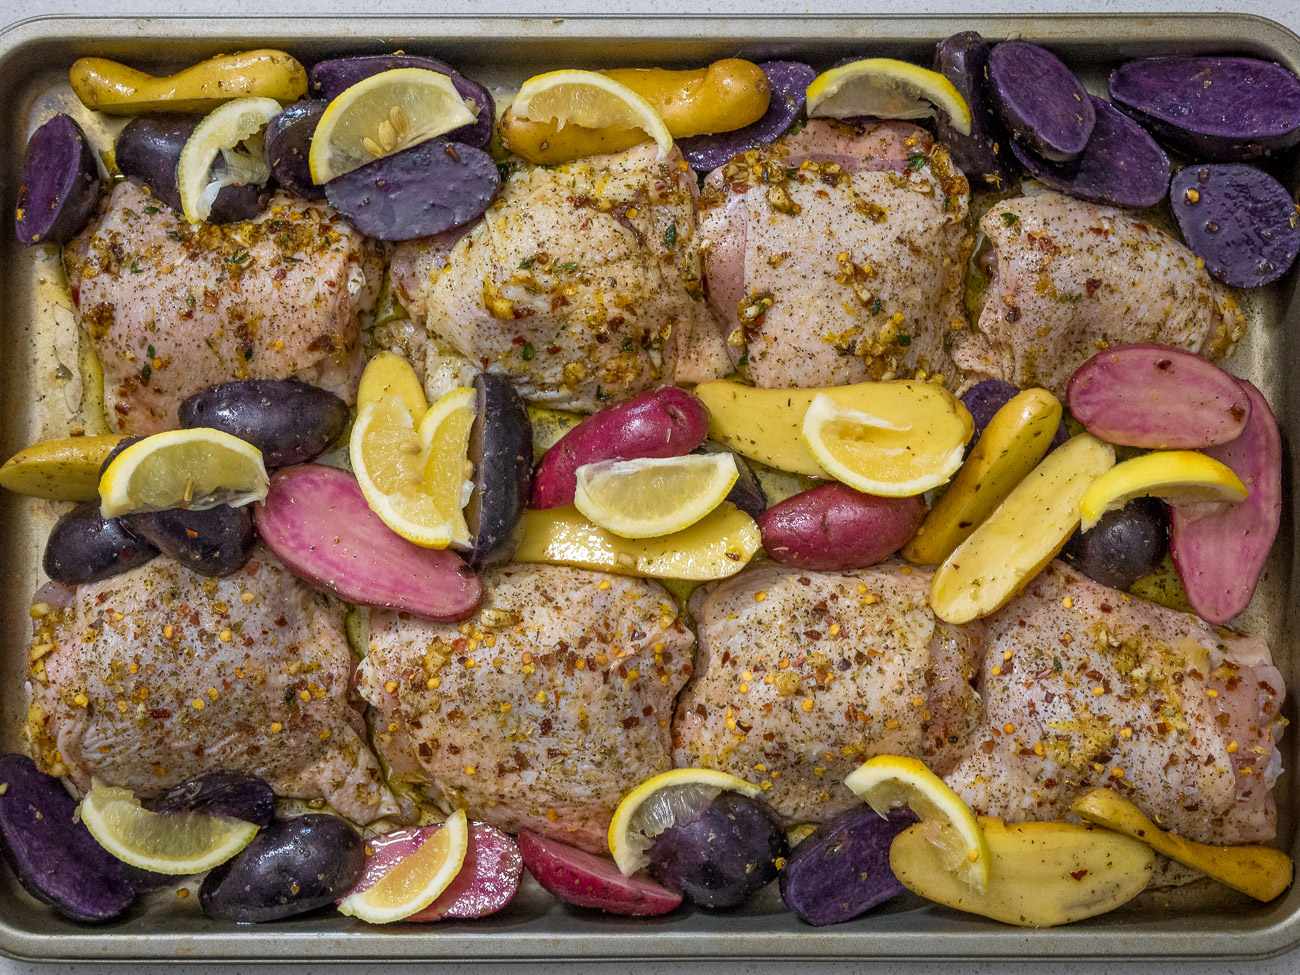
(1078, 874)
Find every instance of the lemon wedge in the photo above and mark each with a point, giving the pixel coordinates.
(444, 437)
(657, 803)
(591, 100)
(1180, 477)
(886, 88)
(889, 781)
(198, 468)
(222, 132)
(652, 496)
(387, 373)
(875, 455)
(383, 115)
(415, 881)
(178, 844)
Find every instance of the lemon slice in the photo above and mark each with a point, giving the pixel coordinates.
(172, 844)
(592, 100)
(415, 881)
(888, 781)
(444, 436)
(657, 803)
(389, 460)
(221, 132)
(879, 457)
(198, 468)
(387, 373)
(653, 496)
(886, 88)
(383, 115)
(1180, 477)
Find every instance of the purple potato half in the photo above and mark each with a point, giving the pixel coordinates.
(985, 398)
(1238, 219)
(1222, 109)
(1039, 100)
(59, 185)
(1125, 545)
(288, 141)
(230, 795)
(420, 191)
(1121, 164)
(501, 449)
(789, 81)
(215, 541)
(984, 154)
(86, 547)
(747, 493)
(289, 421)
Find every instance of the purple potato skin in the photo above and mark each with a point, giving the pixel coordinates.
(1039, 100)
(288, 140)
(501, 448)
(147, 151)
(221, 544)
(54, 856)
(1238, 219)
(231, 795)
(1220, 109)
(985, 154)
(1123, 546)
(747, 493)
(841, 869)
(331, 78)
(85, 547)
(289, 421)
(985, 398)
(420, 191)
(1121, 164)
(719, 859)
(789, 81)
(291, 867)
(59, 186)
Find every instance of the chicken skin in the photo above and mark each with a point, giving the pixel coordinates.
(172, 308)
(582, 284)
(1071, 278)
(837, 255)
(158, 675)
(540, 711)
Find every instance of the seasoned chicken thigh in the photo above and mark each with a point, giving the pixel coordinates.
(837, 255)
(1072, 278)
(158, 675)
(172, 308)
(543, 709)
(582, 284)
(803, 675)
(1085, 686)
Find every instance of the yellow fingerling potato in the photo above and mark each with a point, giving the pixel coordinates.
(547, 144)
(388, 374)
(728, 94)
(718, 545)
(1259, 871)
(549, 426)
(59, 470)
(1012, 444)
(115, 89)
(1041, 874)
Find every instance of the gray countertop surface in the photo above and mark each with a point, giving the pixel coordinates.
(1286, 12)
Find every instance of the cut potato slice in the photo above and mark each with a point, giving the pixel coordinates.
(59, 470)
(388, 373)
(1041, 875)
(1025, 533)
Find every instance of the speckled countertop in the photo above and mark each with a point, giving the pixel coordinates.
(1286, 12)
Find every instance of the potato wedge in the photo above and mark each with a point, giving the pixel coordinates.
(1041, 875)
(59, 470)
(547, 144)
(766, 425)
(716, 546)
(115, 89)
(1259, 871)
(1012, 444)
(388, 373)
(549, 426)
(1025, 533)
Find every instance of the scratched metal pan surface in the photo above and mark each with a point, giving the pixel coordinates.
(40, 392)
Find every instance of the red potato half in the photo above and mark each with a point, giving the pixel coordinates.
(1155, 396)
(317, 522)
(1220, 553)
(665, 422)
(578, 877)
(835, 527)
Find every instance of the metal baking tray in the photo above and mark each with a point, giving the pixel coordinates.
(38, 394)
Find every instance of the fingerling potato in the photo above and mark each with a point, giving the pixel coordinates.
(728, 94)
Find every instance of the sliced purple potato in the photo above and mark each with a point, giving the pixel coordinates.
(215, 542)
(1223, 109)
(984, 154)
(1121, 164)
(747, 493)
(59, 185)
(1238, 219)
(789, 81)
(331, 78)
(501, 449)
(420, 191)
(1040, 100)
(230, 795)
(54, 856)
(288, 141)
(85, 547)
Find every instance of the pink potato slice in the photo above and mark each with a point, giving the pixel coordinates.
(578, 877)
